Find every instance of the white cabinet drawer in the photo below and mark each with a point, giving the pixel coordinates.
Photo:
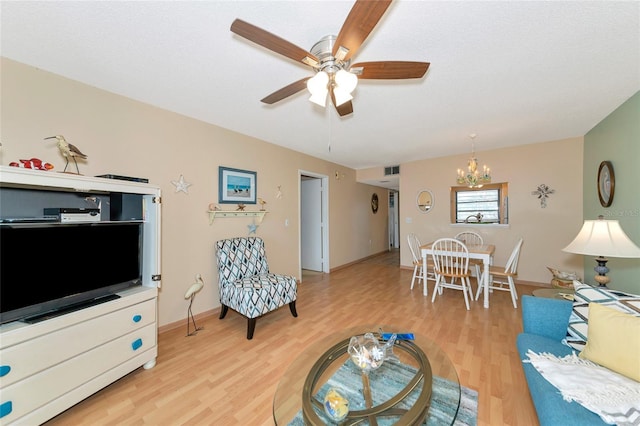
(36, 391)
(28, 358)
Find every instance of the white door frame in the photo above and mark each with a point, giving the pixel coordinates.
(325, 219)
(394, 220)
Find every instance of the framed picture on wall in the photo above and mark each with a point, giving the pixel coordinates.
(236, 186)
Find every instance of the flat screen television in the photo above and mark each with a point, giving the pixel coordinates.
(47, 269)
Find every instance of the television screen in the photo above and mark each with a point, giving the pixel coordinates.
(49, 267)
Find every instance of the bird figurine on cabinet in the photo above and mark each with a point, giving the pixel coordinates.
(68, 150)
(262, 204)
(190, 294)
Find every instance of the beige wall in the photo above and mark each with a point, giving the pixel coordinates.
(545, 230)
(126, 137)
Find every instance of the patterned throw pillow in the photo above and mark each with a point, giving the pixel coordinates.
(577, 331)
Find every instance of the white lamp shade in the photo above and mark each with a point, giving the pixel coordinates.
(318, 83)
(319, 97)
(317, 86)
(346, 81)
(341, 95)
(603, 238)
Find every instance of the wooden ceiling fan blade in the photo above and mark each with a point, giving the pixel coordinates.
(388, 70)
(272, 42)
(362, 18)
(286, 91)
(343, 109)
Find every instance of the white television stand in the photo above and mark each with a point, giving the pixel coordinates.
(48, 366)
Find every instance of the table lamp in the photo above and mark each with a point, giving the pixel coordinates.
(602, 238)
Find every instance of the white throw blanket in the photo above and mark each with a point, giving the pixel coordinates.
(615, 398)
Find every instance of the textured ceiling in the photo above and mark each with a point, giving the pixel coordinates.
(513, 72)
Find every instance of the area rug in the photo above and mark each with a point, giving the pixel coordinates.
(347, 380)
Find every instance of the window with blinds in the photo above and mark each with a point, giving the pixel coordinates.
(487, 204)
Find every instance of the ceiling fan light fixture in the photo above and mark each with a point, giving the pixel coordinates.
(319, 97)
(342, 96)
(318, 87)
(333, 55)
(318, 83)
(346, 81)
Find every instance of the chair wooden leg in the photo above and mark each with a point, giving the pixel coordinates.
(480, 286)
(514, 294)
(466, 288)
(251, 326)
(415, 272)
(479, 280)
(223, 311)
(292, 308)
(436, 289)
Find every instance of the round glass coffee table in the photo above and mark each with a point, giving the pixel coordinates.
(421, 383)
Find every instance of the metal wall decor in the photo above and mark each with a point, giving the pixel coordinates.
(543, 193)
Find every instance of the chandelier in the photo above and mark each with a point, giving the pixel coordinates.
(473, 178)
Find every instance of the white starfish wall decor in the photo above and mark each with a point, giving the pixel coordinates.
(181, 185)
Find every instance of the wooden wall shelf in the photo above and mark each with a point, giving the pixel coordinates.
(235, 213)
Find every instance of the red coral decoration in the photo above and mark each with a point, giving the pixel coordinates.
(33, 163)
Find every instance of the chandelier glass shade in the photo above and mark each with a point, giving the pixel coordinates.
(472, 177)
(343, 82)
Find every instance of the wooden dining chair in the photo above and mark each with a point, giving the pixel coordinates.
(414, 247)
(503, 278)
(471, 238)
(451, 259)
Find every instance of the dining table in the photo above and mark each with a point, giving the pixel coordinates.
(482, 252)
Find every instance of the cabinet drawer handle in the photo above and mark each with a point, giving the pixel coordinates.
(6, 408)
(136, 344)
(4, 370)
(137, 318)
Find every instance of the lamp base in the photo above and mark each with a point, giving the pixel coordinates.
(602, 279)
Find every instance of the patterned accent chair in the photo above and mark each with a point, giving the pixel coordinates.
(246, 285)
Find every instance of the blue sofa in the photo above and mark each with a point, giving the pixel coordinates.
(545, 324)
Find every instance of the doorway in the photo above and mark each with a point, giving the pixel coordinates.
(394, 222)
(314, 233)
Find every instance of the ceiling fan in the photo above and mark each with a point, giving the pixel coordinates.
(331, 58)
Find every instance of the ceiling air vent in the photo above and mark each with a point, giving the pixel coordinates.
(392, 170)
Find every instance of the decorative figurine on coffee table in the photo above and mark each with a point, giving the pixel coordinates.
(335, 405)
(365, 352)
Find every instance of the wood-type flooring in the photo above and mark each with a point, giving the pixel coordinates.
(218, 377)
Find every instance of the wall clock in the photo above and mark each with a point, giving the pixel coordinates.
(374, 203)
(606, 183)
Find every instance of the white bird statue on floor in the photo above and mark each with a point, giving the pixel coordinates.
(68, 150)
(190, 294)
